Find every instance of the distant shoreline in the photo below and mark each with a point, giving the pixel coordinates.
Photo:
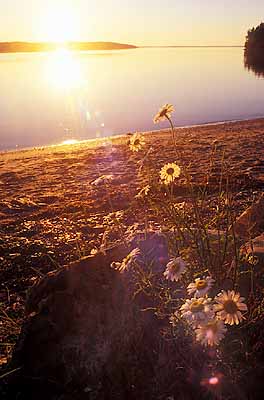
(36, 47)
(203, 46)
(214, 125)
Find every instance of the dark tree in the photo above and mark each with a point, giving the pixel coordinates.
(254, 50)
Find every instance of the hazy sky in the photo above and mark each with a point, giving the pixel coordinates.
(141, 22)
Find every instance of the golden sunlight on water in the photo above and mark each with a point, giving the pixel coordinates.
(64, 70)
(70, 142)
(47, 98)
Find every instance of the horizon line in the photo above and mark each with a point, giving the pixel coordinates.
(119, 42)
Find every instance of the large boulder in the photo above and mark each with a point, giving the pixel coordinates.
(251, 222)
(252, 266)
(89, 336)
(86, 336)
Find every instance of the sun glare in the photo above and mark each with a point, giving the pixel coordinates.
(64, 69)
(59, 25)
(69, 142)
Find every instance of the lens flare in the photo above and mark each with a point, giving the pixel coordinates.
(213, 381)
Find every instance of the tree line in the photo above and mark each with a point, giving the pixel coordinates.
(254, 50)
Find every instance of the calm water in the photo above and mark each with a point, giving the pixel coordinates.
(51, 97)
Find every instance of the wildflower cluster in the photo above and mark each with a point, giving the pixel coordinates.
(207, 316)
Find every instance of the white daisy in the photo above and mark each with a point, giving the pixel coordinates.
(229, 306)
(174, 269)
(197, 310)
(169, 172)
(136, 142)
(211, 333)
(164, 112)
(132, 257)
(201, 286)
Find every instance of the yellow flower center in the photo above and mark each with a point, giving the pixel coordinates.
(136, 142)
(230, 307)
(201, 284)
(196, 306)
(170, 171)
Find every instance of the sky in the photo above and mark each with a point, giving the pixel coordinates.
(139, 22)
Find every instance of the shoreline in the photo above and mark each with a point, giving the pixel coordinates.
(123, 135)
(49, 47)
(38, 47)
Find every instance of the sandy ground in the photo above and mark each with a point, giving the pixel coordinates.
(51, 212)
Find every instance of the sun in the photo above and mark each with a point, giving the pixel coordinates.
(59, 25)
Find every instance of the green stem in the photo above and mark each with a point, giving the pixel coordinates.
(172, 130)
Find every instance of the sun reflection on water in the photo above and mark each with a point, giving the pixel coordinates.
(64, 70)
(70, 142)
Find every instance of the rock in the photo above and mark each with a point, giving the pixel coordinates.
(256, 249)
(251, 222)
(86, 336)
(154, 247)
(253, 254)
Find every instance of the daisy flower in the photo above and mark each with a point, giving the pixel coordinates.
(133, 256)
(174, 269)
(169, 172)
(229, 306)
(164, 112)
(197, 310)
(201, 286)
(136, 142)
(211, 333)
